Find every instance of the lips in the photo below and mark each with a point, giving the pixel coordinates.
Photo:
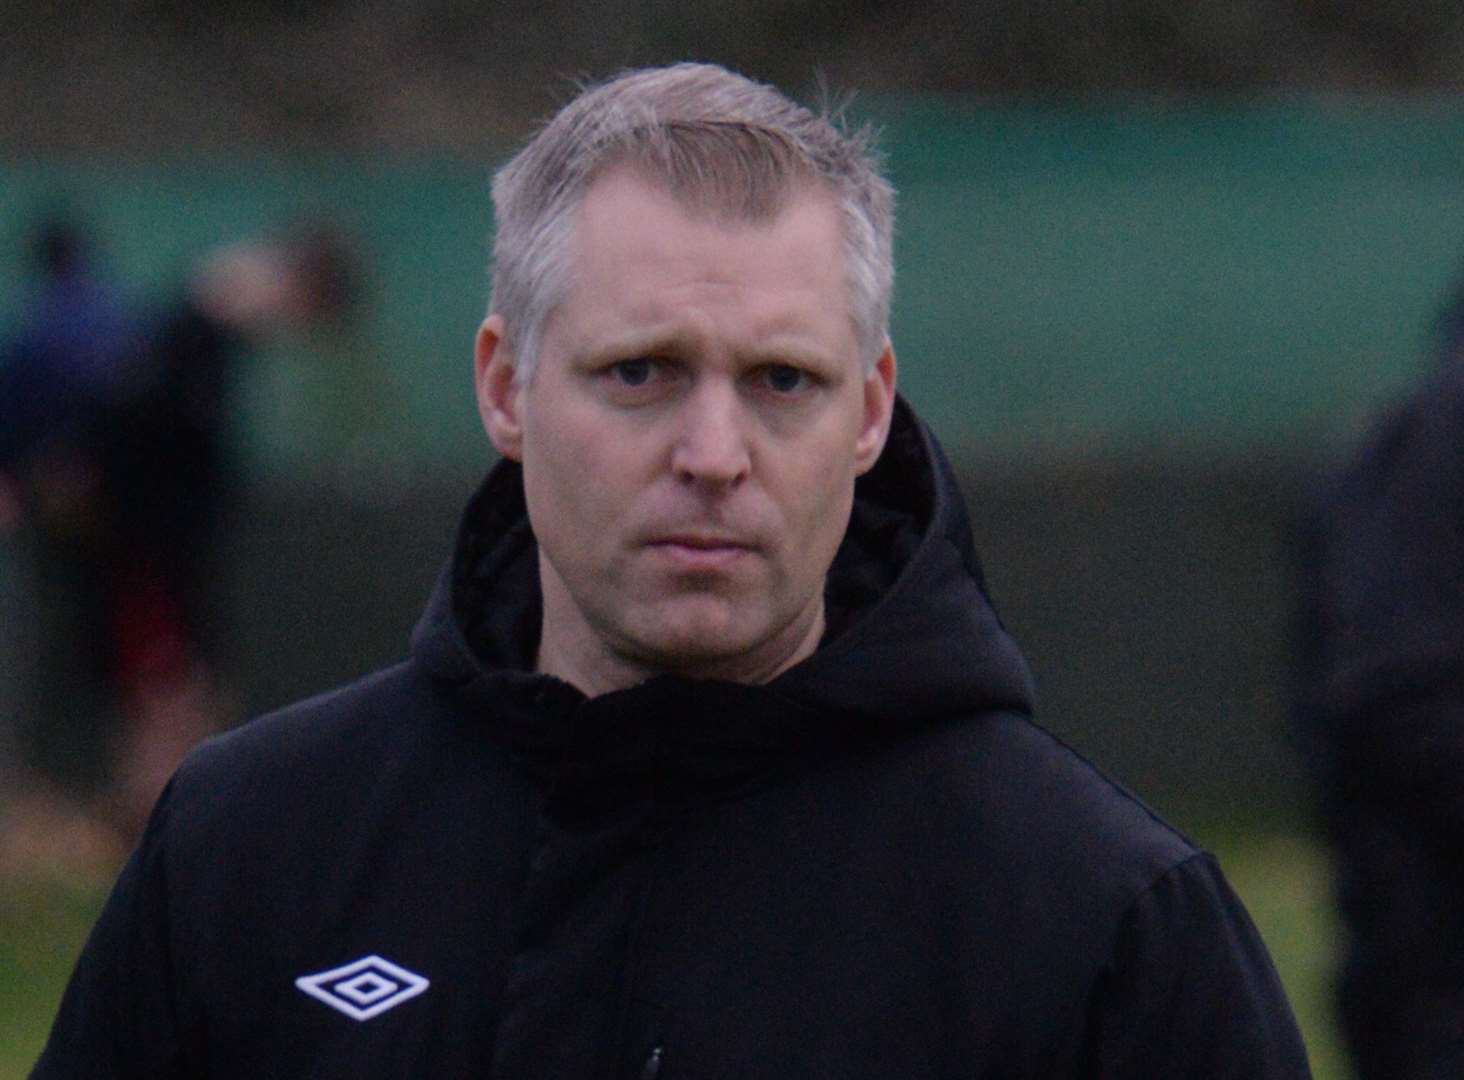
(698, 551)
(704, 543)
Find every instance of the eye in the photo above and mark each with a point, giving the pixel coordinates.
(635, 372)
(785, 378)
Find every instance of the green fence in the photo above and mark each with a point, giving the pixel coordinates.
(1136, 325)
(1071, 278)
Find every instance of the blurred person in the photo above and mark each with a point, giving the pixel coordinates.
(116, 453)
(172, 481)
(711, 758)
(1381, 712)
(60, 384)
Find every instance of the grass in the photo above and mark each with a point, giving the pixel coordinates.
(1283, 879)
(43, 923)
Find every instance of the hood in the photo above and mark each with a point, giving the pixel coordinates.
(912, 637)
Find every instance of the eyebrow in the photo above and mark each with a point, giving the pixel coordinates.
(780, 348)
(604, 351)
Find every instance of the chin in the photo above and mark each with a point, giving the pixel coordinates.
(708, 635)
(692, 654)
(713, 641)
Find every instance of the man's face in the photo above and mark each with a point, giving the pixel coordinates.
(690, 437)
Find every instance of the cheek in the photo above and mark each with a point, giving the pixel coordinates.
(575, 490)
(549, 466)
(816, 503)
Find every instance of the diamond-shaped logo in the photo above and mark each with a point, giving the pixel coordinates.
(363, 988)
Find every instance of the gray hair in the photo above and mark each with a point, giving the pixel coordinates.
(721, 143)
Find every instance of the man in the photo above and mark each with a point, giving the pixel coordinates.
(712, 759)
(62, 377)
(172, 481)
(1380, 710)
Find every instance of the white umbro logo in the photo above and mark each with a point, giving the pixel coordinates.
(363, 988)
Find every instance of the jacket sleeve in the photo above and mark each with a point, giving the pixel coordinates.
(1191, 990)
(118, 1017)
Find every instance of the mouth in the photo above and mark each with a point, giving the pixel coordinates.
(702, 552)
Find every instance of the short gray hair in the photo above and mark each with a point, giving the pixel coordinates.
(717, 140)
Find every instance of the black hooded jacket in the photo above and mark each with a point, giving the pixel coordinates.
(873, 866)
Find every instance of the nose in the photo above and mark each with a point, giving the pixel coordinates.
(711, 445)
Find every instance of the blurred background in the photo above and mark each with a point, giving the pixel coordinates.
(1158, 265)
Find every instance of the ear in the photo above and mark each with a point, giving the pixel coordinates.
(879, 406)
(500, 394)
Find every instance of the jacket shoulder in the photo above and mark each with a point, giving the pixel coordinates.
(1033, 793)
(321, 744)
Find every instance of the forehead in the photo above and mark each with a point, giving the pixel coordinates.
(635, 242)
(630, 199)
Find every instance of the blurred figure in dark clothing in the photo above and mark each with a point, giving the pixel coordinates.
(171, 480)
(1381, 711)
(66, 360)
(61, 378)
(169, 467)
